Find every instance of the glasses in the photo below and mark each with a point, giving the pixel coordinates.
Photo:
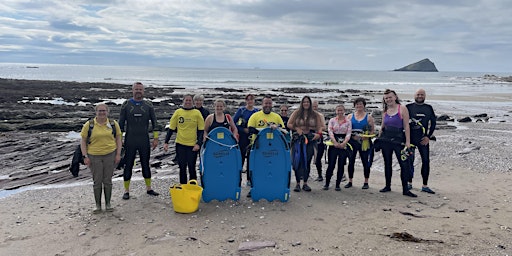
(101, 110)
(284, 110)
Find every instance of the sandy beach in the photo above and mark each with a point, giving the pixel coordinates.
(470, 214)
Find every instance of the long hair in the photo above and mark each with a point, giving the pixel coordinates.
(388, 91)
(309, 112)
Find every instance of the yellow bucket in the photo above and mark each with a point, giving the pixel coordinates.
(186, 197)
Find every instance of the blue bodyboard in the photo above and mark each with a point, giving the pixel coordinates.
(270, 166)
(220, 166)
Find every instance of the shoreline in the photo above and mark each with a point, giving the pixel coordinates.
(469, 214)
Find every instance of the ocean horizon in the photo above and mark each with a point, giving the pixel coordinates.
(479, 93)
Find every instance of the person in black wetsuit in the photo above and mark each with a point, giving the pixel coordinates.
(320, 147)
(423, 124)
(219, 119)
(198, 104)
(136, 113)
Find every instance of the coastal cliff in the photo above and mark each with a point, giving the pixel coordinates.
(424, 65)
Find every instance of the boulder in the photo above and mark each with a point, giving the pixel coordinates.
(466, 119)
(424, 65)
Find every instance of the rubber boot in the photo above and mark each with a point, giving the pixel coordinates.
(108, 195)
(97, 198)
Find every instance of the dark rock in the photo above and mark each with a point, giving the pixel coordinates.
(480, 115)
(444, 117)
(466, 119)
(424, 65)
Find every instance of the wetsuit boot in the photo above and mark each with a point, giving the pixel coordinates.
(108, 195)
(97, 198)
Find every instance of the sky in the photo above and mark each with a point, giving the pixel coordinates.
(457, 35)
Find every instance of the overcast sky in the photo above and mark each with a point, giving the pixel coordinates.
(457, 35)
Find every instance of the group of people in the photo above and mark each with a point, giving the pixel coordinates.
(403, 129)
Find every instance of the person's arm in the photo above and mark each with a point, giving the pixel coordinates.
(407, 128)
(122, 116)
(320, 126)
(433, 120)
(154, 130)
(207, 123)
(232, 126)
(119, 142)
(83, 142)
(172, 128)
(291, 123)
(371, 123)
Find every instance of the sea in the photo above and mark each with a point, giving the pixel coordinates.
(462, 92)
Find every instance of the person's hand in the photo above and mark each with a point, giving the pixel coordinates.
(166, 147)
(117, 159)
(273, 126)
(299, 131)
(425, 141)
(196, 147)
(155, 143)
(87, 162)
(316, 136)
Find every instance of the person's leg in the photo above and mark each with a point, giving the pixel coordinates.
(108, 172)
(352, 160)
(405, 171)
(318, 159)
(192, 159)
(425, 167)
(97, 177)
(131, 152)
(310, 150)
(342, 160)
(182, 162)
(387, 154)
(331, 163)
(364, 155)
(145, 152)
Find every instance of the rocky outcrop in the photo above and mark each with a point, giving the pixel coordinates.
(424, 65)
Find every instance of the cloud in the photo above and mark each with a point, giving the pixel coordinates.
(322, 34)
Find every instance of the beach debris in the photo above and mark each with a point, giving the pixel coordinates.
(460, 210)
(412, 214)
(255, 245)
(468, 150)
(296, 243)
(404, 236)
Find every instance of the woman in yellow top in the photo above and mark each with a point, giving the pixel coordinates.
(103, 153)
(305, 122)
(188, 123)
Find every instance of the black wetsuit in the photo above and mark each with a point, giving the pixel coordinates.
(136, 115)
(216, 124)
(424, 113)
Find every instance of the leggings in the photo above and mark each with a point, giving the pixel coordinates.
(320, 149)
(334, 153)
(425, 163)
(186, 158)
(132, 147)
(364, 159)
(387, 155)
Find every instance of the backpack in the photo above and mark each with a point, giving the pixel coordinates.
(78, 158)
